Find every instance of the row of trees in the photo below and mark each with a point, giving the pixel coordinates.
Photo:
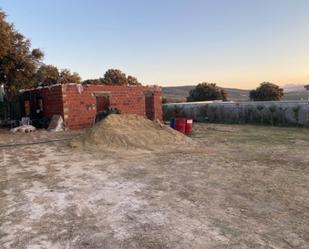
(114, 77)
(22, 67)
(49, 75)
(210, 91)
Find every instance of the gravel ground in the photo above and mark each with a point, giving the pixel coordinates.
(242, 187)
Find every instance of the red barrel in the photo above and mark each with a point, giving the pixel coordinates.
(180, 124)
(189, 125)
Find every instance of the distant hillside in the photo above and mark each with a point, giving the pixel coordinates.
(297, 95)
(179, 93)
(293, 88)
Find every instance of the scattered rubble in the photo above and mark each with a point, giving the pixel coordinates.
(23, 128)
(56, 123)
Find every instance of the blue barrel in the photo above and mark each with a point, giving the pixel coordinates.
(172, 123)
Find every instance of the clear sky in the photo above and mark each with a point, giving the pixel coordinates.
(236, 43)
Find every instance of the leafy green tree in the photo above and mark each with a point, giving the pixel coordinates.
(47, 75)
(223, 94)
(267, 92)
(67, 77)
(92, 81)
(18, 62)
(164, 100)
(133, 81)
(207, 91)
(115, 77)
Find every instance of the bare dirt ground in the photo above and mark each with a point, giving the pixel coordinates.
(242, 187)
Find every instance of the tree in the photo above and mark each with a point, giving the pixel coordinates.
(133, 81)
(67, 77)
(115, 77)
(164, 100)
(267, 92)
(18, 63)
(207, 91)
(47, 75)
(92, 81)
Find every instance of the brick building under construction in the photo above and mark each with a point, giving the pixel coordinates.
(79, 104)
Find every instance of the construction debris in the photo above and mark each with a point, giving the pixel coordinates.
(130, 132)
(23, 128)
(56, 123)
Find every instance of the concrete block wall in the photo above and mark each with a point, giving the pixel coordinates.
(259, 112)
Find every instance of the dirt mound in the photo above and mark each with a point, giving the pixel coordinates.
(130, 132)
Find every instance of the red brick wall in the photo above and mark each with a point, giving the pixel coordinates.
(52, 99)
(157, 105)
(79, 105)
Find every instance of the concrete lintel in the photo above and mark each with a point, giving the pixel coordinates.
(101, 93)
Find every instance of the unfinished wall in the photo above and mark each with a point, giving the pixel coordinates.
(153, 104)
(79, 102)
(52, 100)
(261, 112)
(157, 99)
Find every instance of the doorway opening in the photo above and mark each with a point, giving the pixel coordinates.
(102, 103)
(149, 105)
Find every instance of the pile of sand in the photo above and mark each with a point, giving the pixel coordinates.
(130, 132)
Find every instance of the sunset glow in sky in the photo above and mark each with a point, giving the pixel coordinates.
(237, 43)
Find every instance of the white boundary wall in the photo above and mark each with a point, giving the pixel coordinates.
(258, 112)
